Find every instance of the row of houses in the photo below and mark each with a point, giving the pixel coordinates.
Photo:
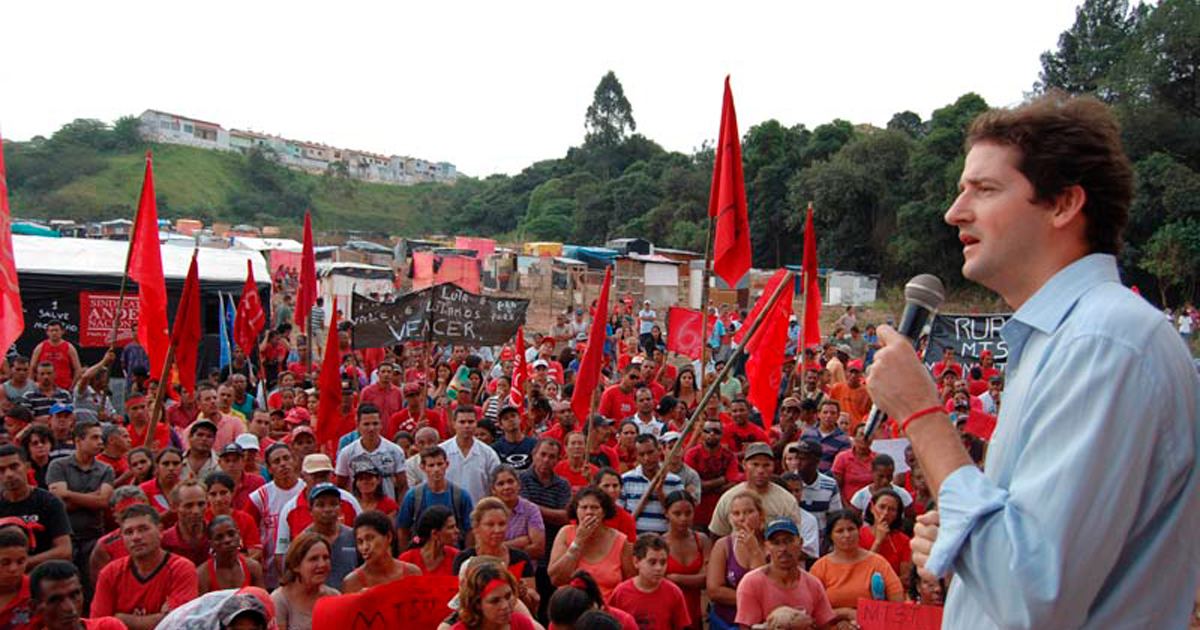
(311, 157)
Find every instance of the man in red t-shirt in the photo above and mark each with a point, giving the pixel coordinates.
(717, 466)
(139, 425)
(947, 363)
(618, 401)
(141, 588)
(60, 353)
(409, 418)
(740, 432)
(384, 395)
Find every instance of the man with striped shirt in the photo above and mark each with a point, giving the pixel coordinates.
(636, 483)
(820, 494)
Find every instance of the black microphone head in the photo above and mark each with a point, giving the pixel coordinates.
(926, 290)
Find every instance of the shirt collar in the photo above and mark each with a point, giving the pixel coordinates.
(1055, 299)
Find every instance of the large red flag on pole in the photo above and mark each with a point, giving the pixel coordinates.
(767, 348)
(516, 390)
(589, 367)
(330, 386)
(306, 295)
(250, 318)
(811, 334)
(683, 331)
(185, 334)
(146, 268)
(727, 200)
(12, 314)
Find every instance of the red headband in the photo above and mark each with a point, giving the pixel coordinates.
(491, 586)
(579, 584)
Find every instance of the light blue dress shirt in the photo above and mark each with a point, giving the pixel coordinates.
(1088, 513)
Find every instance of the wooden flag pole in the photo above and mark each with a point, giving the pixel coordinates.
(157, 409)
(112, 335)
(711, 389)
(690, 438)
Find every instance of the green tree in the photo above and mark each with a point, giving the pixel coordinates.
(1173, 257)
(771, 155)
(127, 134)
(908, 122)
(1091, 50)
(610, 116)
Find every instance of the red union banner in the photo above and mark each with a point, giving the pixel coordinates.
(96, 311)
(880, 615)
(411, 603)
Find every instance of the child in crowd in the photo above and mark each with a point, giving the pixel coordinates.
(656, 603)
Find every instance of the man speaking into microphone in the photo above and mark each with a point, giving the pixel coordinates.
(1088, 510)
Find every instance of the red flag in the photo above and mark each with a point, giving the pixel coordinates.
(306, 295)
(766, 348)
(12, 315)
(329, 385)
(683, 331)
(516, 391)
(250, 318)
(727, 200)
(589, 367)
(185, 335)
(146, 268)
(811, 333)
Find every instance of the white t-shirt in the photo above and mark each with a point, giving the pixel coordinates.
(1185, 324)
(648, 318)
(388, 457)
(862, 498)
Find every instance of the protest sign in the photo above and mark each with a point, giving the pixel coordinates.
(895, 449)
(883, 615)
(445, 313)
(96, 312)
(969, 335)
(412, 603)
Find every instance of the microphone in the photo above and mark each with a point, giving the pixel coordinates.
(922, 297)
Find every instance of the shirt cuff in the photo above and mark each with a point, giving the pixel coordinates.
(965, 497)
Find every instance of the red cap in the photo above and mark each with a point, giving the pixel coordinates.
(506, 354)
(986, 354)
(298, 415)
(412, 388)
(856, 364)
(547, 340)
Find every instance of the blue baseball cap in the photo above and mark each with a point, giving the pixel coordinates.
(781, 524)
(323, 488)
(60, 407)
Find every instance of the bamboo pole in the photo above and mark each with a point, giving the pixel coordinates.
(708, 393)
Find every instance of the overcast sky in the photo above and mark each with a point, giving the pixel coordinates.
(494, 86)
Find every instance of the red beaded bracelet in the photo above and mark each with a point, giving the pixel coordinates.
(923, 412)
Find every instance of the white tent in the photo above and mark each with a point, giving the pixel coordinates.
(94, 257)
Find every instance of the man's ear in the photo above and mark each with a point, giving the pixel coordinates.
(1068, 205)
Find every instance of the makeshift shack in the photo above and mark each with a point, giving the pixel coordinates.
(343, 279)
(77, 281)
(446, 265)
(280, 252)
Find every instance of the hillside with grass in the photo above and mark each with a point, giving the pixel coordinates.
(89, 171)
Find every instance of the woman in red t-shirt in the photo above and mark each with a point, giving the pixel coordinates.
(433, 548)
(167, 467)
(626, 434)
(881, 533)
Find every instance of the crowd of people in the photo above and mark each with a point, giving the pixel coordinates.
(456, 465)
